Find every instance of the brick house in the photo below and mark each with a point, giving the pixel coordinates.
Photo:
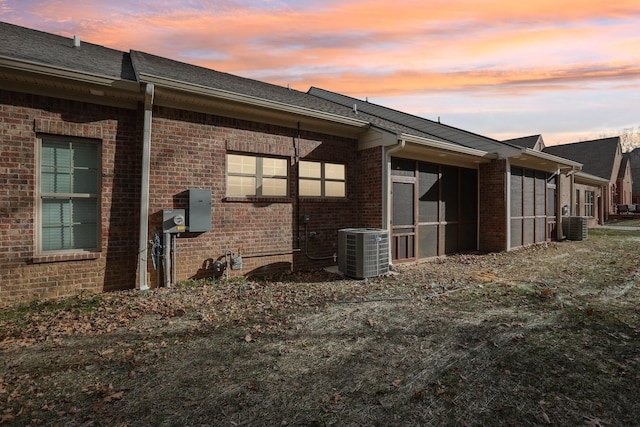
(98, 146)
(604, 182)
(634, 165)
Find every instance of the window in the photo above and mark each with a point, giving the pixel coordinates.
(319, 179)
(69, 195)
(577, 206)
(588, 203)
(256, 176)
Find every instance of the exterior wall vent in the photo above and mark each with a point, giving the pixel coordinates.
(363, 252)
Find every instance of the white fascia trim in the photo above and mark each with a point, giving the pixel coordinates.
(247, 99)
(591, 178)
(48, 70)
(551, 158)
(446, 146)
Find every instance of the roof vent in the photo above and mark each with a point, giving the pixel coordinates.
(355, 108)
(76, 41)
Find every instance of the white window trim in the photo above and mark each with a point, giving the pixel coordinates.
(39, 195)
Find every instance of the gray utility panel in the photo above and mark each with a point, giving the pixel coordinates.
(199, 210)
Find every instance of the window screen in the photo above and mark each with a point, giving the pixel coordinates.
(69, 189)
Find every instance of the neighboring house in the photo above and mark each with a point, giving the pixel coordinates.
(634, 163)
(102, 149)
(601, 158)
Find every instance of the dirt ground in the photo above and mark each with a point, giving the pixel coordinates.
(544, 335)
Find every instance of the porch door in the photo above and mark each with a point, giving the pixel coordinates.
(403, 221)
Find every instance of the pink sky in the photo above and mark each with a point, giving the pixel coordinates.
(567, 69)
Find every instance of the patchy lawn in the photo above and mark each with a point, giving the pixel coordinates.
(543, 335)
(631, 221)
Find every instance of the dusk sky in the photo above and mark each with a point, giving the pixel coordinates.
(567, 69)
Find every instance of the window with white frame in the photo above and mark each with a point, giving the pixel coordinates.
(588, 203)
(69, 195)
(257, 176)
(320, 179)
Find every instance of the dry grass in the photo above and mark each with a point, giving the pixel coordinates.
(548, 334)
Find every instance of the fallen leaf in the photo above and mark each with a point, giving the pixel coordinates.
(114, 396)
(6, 418)
(593, 421)
(248, 338)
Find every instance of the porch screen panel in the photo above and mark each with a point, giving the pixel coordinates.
(528, 193)
(541, 227)
(516, 233)
(468, 237)
(516, 192)
(403, 204)
(429, 192)
(450, 238)
(428, 242)
(449, 193)
(468, 195)
(529, 232)
(516, 182)
(541, 207)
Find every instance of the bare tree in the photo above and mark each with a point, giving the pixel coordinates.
(629, 138)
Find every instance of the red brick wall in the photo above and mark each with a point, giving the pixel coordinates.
(493, 206)
(370, 187)
(24, 275)
(189, 151)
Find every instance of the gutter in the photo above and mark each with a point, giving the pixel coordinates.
(445, 146)
(248, 99)
(144, 188)
(575, 166)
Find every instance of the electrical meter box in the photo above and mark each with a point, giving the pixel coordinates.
(199, 210)
(173, 221)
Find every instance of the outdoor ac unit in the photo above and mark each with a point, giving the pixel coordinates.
(575, 227)
(363, 252)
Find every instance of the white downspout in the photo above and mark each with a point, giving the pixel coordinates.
(508, 207)
(144, 189)
(386, 191)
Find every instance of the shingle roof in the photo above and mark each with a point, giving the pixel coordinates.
(57, 51)
(438, 130)
(597, 156)
(152, 65)
(524, 142)
(623, 167)
(634, 162)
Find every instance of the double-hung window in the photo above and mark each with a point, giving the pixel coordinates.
(69, 195)
(588, 203)
(320, 179)
(257, 176)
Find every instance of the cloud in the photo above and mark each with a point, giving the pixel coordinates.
(476, 50)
